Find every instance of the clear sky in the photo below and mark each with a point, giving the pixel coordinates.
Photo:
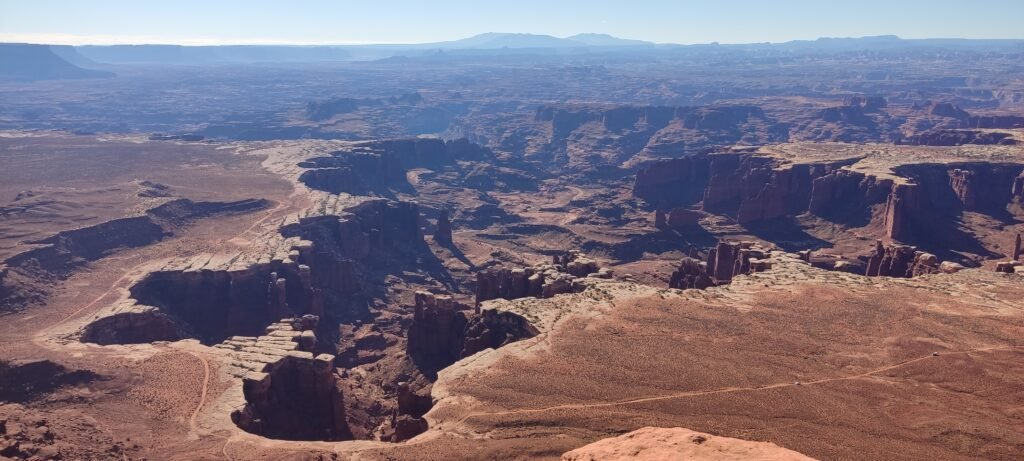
(418, 21)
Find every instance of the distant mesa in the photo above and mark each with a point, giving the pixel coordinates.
(493, 40)
(22, 61)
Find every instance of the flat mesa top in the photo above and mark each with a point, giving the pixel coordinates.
(881, 160)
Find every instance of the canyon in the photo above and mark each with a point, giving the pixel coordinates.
(517, 255)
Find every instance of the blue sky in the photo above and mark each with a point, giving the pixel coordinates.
(410, 21)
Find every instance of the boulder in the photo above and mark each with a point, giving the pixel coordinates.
(950, 267)
(900, 261)
(680, 218)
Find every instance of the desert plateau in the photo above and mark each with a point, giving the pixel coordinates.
(513, 246)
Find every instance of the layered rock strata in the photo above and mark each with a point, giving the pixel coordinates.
(309, 268)
(444, 331)
(375, 167)
(541, 281)
(290, 391)
(901, 261)
(788, 180)
(723, 262)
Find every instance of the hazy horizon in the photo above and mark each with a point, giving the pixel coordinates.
(406, 22)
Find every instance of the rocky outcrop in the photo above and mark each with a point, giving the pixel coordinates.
(1010, 267)
(444, 330)
(213, 305)
(724, 117)
(493, 328)
(676, 218)
(540, 281)
(755, 188)
(855, 115)
(721, 263)
(290, 392)
(936, 193)
(676, 443)
(730, 259)
(1017, 190)
(996, 121)
(131, 323)
(443, 233)
(959, 138)
(62, 253)
(945, 109)
(316, 268)
(839, 193)
(378, 167)
(900, 261)
(438, 331)
(868, 103)
(681, 181)
(1018, 249)
(692, 273)
(752, 188)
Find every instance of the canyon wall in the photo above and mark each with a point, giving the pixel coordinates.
(539, 281)
(752, 188)
(444, 331)
(291, 393)
(925, 207)
(376, 167)
(316, 271)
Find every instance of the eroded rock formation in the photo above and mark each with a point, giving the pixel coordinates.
(901, 261)
(959, 138)
(444, 330)
(676, 218)
(723, 262)
(290, 392)
(540, 281)
(377, 167)
(493, 328)
(936, 192)
(58, 256)
(438, 331)
(443, 233)
(753, 188)
(315, 268)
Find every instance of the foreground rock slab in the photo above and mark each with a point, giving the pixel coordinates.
(656, 443)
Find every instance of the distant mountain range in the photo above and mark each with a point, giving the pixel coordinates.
(42, 62)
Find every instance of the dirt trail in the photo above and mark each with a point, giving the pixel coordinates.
(727, 390)
(113, 286)
(193, 426)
